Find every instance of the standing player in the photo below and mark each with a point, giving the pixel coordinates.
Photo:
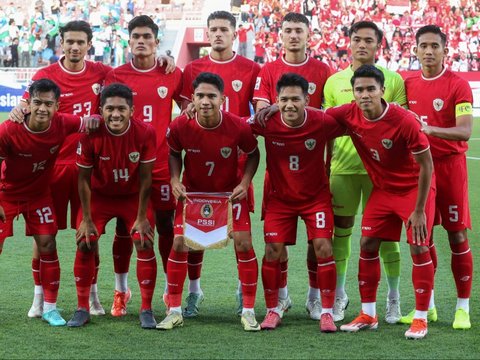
(295, 35)
(238, 74)
(28, 151)
(115, 176)
(153, 90)
(444, 103)
(211, 141)
(295, 141)
(349, 180)
(80, 82)
(396, 155)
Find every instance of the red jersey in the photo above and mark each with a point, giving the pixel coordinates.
(29, 156)
(386, 144)
(153, 95)
(116, 158)
(238, 74)
(313, 70)
(295, 155)
(80, 95)
(211, 154)
(435, 100)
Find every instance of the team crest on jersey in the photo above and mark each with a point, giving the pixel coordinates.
(311, 88)
(96, 88)
(162, 91)
(310, 144)
(226, 152)
(54, 149)
(134, 156)
(237, 85)
(387, 143)
(206, 211)
(438, 104)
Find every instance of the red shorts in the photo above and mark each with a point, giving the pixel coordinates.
(240, 214)
(281, 220)
(64, 186)
(452, 193)
(161, 195)
(105, 208)
(38, 213)
(385, 212)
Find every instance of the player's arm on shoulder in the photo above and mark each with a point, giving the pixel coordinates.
(241, 190)
(168, 62)
(87, 228)
(17, 114)
(142, 226)
(417, 220)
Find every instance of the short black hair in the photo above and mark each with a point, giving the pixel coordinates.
(43, 86)
(292, 79)
(117, 90)
(223, 15)
(434, 29)
(366, 25)
(209, 78)
(368, 71)
(143, 21)
(77, 25)
(296, 18)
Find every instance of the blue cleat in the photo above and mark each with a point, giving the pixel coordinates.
(54, 318)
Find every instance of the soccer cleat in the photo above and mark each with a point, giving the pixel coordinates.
(314, 309)
(147, 320)
(193, 305)
(239, 297)
(35, 311)
(96, 309)
(339, 308)
(80, 318)
(431, 316)
(326, 323)
(249, 322)
(173, 319)
(285, 304)
(361, 322)
(418, 329)
(462, 320)
(120, 300)
(392, 312)
(272, 321)
(54, 318)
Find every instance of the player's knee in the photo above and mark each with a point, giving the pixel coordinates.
(46, 244)
(344, 222)
(323, 248)
(369, 244)
(457, 237)
(418, 250)
(243, 241)
(178, 244)
(147, 245)
(273, 251)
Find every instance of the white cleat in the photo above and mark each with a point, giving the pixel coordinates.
(96, 309)
(339, 308)
(393, 313)
(314, 309)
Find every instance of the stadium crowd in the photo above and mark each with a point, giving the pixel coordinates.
(330, 21)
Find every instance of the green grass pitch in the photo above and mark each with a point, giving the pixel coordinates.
(217, 332)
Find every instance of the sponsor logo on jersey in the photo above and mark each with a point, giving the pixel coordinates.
(134, 156)
(162, 91)
(226, 152)
(25, 155)
(96, 88)
(310, 144)
(206, 211)
(195, 151)
(237, 85)
(54, 149)
(104, 158)
(387, 143)
(438, 104)
(257, 83)
(413, 102)
(311, 88)
(278, 143)
(79, 149)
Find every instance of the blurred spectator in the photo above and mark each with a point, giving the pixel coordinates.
(14, 53)
(242, 38)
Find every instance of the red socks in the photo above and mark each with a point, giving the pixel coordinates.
(84, 272)
(36, 271)
(50, 276)
(176, 274)
(122, 251)
(368, 275)
(327, 281)
(422, 278)
(462, 268)
(147, 276)
(195, 262)
(165, 241)
(271, 281)
(312, 274)
(283, 274)
(248, 275)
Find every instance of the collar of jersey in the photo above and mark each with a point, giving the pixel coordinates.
(435, 77)
(223, 62)
(37, 132)
(123, 133)
(208, 128)
(143, 70)
(298, 126)
(382, 115)
(60, 63)
(291, 64)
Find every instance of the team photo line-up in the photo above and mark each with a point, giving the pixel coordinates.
(104, 140)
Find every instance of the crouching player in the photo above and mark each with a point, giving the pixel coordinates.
(28, 151)
(295, 141)
(396, 155)
(115, 177)
(211, 141)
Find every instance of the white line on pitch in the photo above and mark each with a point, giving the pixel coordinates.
(473, 158)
